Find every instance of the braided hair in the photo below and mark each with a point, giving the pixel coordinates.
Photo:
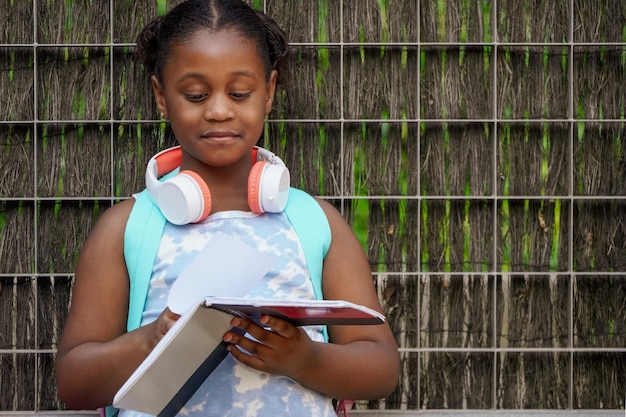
(155, 41)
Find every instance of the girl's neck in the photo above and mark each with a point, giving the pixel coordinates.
(228, 185)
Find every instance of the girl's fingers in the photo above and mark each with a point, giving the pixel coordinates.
(280, 327)
(267, 329)
(251, 346)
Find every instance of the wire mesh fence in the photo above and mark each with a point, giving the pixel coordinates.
(477, 147)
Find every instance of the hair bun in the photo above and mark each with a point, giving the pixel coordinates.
(148, 44)
(277, 44)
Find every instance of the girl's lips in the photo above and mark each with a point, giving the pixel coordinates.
(220, 137)
(218, 134)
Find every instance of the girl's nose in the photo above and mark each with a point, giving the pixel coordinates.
(219, 107)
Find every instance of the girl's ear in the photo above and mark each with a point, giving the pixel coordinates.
(159, 96)
(271, 89)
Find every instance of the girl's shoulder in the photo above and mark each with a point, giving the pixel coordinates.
(115, 217)
(333, 216)
(110, 226)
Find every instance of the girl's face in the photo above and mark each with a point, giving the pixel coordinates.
(216, 95)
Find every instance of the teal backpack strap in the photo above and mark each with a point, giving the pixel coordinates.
(311, 225)
(109, 411)
(141, 241)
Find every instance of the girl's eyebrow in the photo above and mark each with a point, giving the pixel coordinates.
(245, 73)
(190, 75)
(239, 73)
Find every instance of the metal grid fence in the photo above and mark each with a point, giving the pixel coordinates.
(33, 284)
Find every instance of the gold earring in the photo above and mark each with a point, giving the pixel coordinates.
(162, 115)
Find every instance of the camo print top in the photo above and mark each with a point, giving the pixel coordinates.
(233, 389)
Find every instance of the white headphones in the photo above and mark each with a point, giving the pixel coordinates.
(185, 198)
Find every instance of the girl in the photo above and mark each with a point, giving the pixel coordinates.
(213, 66)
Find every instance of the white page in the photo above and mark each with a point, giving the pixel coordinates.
(225, 267)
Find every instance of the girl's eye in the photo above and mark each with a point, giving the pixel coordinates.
(239, 96)
(195, 97)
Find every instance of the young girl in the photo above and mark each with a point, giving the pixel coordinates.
(213, 65)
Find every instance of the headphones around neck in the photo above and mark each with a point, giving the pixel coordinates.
(185, 198)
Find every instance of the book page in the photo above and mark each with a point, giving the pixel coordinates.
(225, 267)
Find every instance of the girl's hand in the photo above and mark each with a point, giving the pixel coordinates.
(284, 349)
(160, 326)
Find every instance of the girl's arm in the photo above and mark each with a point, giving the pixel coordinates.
(96, 355)
(361, 362)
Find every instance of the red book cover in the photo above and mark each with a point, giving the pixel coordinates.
(298, 312)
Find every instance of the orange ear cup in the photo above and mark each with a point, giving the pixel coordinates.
(254, 187)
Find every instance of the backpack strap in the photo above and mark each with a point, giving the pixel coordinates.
(108, 411)
(311, 225)
(141, 242)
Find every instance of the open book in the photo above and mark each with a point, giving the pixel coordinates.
(163, 383)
